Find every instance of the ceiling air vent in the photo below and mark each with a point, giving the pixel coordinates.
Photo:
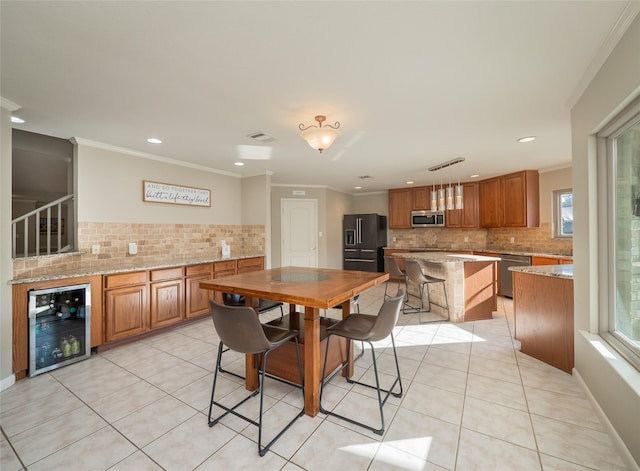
(365, 177)
(261, 137)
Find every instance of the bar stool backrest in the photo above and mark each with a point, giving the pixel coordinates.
(414, 272)
(239, 328)
(387, 318)
(391, 266)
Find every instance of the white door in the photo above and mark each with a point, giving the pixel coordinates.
(299, 233)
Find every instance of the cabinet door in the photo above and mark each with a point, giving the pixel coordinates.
(250, 264)
(544, 261)
(167, 306)
(400, 208)
(453, 218)
(421, 199)
(520, 199)
(490, 202)
(126, 312)
(197, 299)
(469, 212)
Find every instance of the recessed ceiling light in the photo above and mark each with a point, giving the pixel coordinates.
(239, 164)
(527, 139)
(358, 187)
(410, 182)
(475, 175)
(154, 140)
(15, 119)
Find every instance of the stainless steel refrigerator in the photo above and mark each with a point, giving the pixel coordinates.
(365, 236)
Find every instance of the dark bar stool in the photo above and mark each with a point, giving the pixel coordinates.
(415, 275)
(394, 271)
(367, 328)
(240, 330)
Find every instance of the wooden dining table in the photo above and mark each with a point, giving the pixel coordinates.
(312, 288)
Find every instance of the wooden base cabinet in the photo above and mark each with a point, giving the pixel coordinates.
(126, 305)
(196, 299)
(167, 300)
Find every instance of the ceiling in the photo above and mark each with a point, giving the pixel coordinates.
(413, 84)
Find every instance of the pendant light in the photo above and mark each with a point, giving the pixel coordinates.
(459, 196)
(450, 205)
(434, 198)
(441, 199)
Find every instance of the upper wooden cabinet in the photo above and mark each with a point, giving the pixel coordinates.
(400, 204)
(468, 215)
(421, 199)
(511, 200)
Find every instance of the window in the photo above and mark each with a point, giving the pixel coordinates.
(563, 214)
(621, 144)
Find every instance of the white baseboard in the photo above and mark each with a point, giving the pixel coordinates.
(7, 382)
(604, 420)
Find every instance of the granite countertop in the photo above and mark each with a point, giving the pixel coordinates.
(556, 271)
(446, 257)
(111, 267)
(492, 250)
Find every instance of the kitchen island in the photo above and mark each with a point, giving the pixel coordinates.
(543, 313)
(471, 283)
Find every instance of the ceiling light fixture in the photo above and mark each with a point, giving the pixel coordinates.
(154, 140)
(527, 139)
(410, 182)
(320, 137)
(239, 164)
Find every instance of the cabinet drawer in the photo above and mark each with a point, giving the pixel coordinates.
(166, 274)
(224, 266)
(202, 269)
(125, 279)
(250, 264)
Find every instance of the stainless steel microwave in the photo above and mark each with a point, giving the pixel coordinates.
(427, 218)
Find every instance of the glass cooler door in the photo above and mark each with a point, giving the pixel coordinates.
(59, 327)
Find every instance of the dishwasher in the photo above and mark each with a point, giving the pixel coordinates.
(506, 277)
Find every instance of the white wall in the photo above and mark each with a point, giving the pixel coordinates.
(614, 384)
(6, 261)
(377, 203)
(549, 182)
(256, 207)
(109, 188)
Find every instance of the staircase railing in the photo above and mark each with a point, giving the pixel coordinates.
(45, 222)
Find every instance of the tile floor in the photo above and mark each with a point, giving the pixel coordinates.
(471, 401)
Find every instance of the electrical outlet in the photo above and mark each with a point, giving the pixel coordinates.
(512, 240)
(395, 239)
(95, 249)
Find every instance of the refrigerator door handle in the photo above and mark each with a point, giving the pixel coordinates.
(359, 223)
(359, 260)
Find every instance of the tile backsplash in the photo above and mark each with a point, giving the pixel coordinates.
(156, 243)
(534, 239)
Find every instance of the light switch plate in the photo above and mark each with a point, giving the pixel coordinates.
(133, 248)
(95, 249)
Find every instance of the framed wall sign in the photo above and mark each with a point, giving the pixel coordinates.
(156, 192)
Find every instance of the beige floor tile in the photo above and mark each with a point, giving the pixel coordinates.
(450, 344)
(551, 379)
(389, 458)
(562, 407)
(349, 450)
(8, 459)
(153, 365)
(447, 359)
(497, 391)
(127, 400)
(242, 453)
(22, 418)
(197, 442)
(297, 435)
(177, 377)
(495, 369)
(424, 437)
(494, 351)
(497, 421)
(129, 354)
(549, 463)
(198, 393)
(434, 402)
(579, 445)
(441, 377)
(100, 450)
(38, 442)
(29, 391)
(188, 348)
(480, 452)
(138, 461)
(146, 424)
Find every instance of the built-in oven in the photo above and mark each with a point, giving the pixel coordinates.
(427, 218)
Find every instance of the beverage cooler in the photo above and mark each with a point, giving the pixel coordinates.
(59, 327)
